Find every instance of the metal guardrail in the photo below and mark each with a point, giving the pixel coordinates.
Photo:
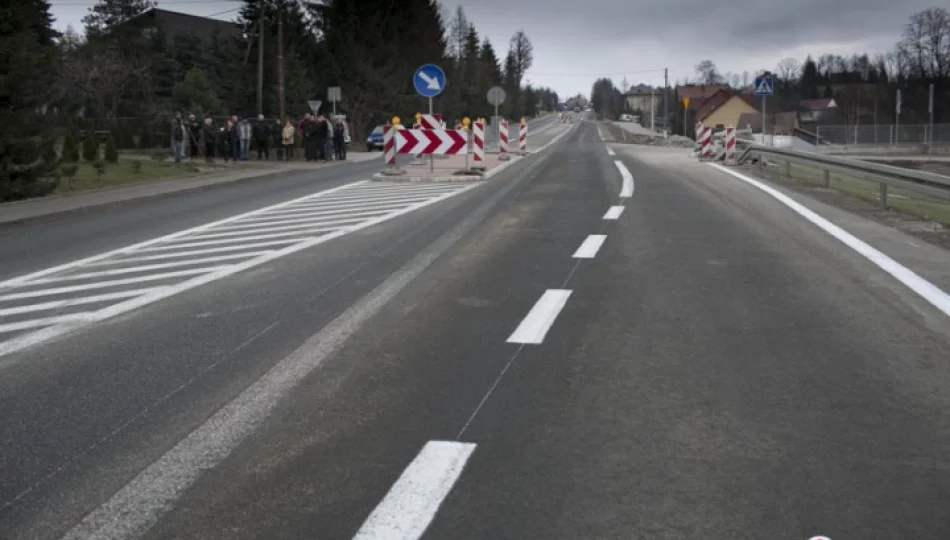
(926, 183)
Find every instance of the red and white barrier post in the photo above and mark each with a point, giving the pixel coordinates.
(706, 151)
(478, 144)
(730, 145)
(523, 136)
(503, 140)
(389, 148)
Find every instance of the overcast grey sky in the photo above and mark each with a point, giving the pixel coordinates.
(575, 41)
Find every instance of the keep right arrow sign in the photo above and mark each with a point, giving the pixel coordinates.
(431, 141)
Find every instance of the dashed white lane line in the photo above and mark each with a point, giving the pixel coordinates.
(590, 246)
(927, 290)
(627, 189)
(46, 304)
(539, 320)
(614, 212)
(610, 151)
(407, 510)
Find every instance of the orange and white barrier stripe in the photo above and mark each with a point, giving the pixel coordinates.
(389, 145)
(730, 145)
(523, 136)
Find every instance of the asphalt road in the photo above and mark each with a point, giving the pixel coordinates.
(503, 363)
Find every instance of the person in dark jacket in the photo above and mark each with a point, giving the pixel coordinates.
(194, 136)
(322, 138)
(310, 137)
(262, 137)
(210, 136)
(178, 136)
(275, 139)
(339, 140)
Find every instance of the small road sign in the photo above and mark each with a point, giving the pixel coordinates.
(429, 80)
(496, 95)
(764, 85)
(334, 94)
(315, 106)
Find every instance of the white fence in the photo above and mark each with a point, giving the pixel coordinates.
(884, 135)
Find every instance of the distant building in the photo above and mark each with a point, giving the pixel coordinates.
(816, 110)
(642, 98)
(173, 23)
(723, 107)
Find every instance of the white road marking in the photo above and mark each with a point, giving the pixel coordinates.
(600, 132)
(610, 151)
(927, 290)
(538, 321)
(220, 248)
(590, 246)
(407, 510)
(614, 212)
(135, 508)
(627, 189)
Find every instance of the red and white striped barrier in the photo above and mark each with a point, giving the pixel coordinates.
(730, 145)
(478, 142)
(431, 121)
(431, 141)
(706, 142)
(503, 136)
(389, 145)
(523, 137)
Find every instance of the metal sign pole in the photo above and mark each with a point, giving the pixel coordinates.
(431, 158)
(763, 121)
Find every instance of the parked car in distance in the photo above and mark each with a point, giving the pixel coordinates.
(375, 139)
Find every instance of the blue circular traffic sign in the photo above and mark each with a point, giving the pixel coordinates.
(429, 80)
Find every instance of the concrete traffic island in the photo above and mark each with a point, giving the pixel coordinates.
(447, 169)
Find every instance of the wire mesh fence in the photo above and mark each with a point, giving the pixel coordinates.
(884, 135)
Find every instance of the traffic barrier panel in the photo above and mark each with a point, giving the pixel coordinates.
(431, 121)
(431, 141)
(523, 136)
(503, 136)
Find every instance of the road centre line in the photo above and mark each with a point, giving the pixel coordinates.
(925, 289)
(410, 505)
(610, 151)
(590, 246)
(614, 212)
(627, 189)
(539, 320)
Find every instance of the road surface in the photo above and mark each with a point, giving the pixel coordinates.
(587, 346)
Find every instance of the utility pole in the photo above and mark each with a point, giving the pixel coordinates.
(666, 103)
(260, 62)
(280, 63)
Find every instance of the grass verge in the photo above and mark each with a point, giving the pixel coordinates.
(125, 172)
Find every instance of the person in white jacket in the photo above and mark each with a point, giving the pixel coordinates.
(244, 135)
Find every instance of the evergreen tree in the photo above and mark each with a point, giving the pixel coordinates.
(70, 152)
(111, 154)
(90, 146)
(195, 95)
(27, 61)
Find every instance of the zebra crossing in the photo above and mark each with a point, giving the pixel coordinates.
(46, 304)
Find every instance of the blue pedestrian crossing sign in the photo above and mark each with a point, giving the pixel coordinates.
(429, 80)
(764, 84)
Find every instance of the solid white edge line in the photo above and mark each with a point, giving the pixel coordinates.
(925, 289)
(614, 212)
(22, 342)
(610, 151)
(539, 320)
(53, 269)
(590, 246)
(627, 189)
(410, 505)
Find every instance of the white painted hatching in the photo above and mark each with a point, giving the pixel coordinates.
(45, 304)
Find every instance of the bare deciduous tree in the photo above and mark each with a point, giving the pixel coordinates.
(789, 69)
(523, 53)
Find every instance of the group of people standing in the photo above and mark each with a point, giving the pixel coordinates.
(321, 140)
(234, 140)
